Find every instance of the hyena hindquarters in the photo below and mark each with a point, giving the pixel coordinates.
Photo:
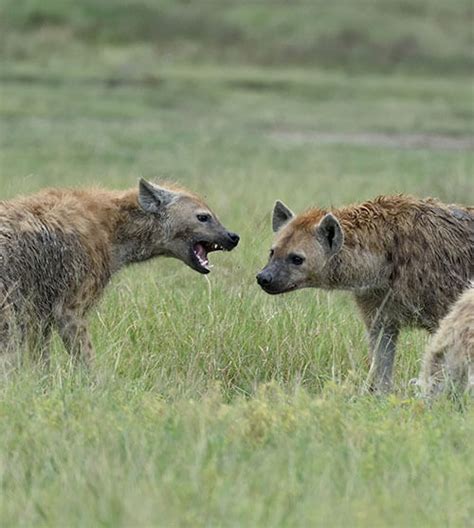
(448, 362)
(50, 278)
(59, 249)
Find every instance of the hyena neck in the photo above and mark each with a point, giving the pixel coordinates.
(135, 235)
(358, 270)
(364, 261)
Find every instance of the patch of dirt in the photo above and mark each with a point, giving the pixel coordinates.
(376, 139)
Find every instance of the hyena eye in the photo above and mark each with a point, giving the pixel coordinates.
(296, 260)
(203, 217)
(272, 252)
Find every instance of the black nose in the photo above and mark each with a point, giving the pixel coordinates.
(234, 238)
(264, 278)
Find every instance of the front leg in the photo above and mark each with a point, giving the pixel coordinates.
(39, 342)
(383, 341)
(375, 308)
(75, 335)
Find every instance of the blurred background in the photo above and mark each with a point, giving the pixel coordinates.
(429, 36)
(341, 100)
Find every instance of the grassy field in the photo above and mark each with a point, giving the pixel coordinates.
(213, 404)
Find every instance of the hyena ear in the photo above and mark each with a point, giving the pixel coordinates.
(330, 235)
(281, 215)
(153, 198)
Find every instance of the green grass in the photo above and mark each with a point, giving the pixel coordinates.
(211, 403)
(116, 453)
(382, 35)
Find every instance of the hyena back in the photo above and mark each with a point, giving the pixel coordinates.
(60, 247)
(406, 260)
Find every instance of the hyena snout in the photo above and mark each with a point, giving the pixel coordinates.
(275, 279)
(271, 282)
(232, 240)
(264, 278)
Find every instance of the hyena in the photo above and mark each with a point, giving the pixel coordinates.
(449, 358)
(404, 259)
(60, 247)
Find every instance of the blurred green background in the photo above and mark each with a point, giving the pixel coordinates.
(357, 36)
(376, 91)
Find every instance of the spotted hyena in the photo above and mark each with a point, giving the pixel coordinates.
(404, 259)
(60, 247)
(449, 358)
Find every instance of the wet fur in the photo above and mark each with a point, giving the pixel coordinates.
(59, 249)
(406, 261)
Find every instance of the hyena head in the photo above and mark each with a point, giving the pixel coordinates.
(301, 253)
(189, 229)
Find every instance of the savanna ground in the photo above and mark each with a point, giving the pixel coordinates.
(212, 404)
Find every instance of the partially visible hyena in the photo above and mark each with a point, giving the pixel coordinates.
(449, 358)
(405, 260)
(60, 247)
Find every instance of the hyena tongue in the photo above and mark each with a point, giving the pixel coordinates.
(201, 254)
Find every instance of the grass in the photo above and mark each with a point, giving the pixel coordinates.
(389, 35)
(212, 404)
(116, 454)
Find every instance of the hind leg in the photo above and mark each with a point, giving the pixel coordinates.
(11, 333)
(75, 335)
(432, 375)
(470, 378)
(459, 368)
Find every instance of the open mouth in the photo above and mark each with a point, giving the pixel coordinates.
(200, 251)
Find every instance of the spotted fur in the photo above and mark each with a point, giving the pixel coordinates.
(406, 260)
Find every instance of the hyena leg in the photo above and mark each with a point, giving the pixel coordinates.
(459, 369)
(7, 323)
(432, 374)
(470, 377)
(9, 343)
(383, 341)
(75, 335)
(39, 342)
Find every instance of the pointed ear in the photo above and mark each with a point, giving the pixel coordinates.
(153, 198)
(281, 215)
(330, 235)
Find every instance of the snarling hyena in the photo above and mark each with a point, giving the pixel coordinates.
(406, 260)
(60, 247)
(449, 358)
